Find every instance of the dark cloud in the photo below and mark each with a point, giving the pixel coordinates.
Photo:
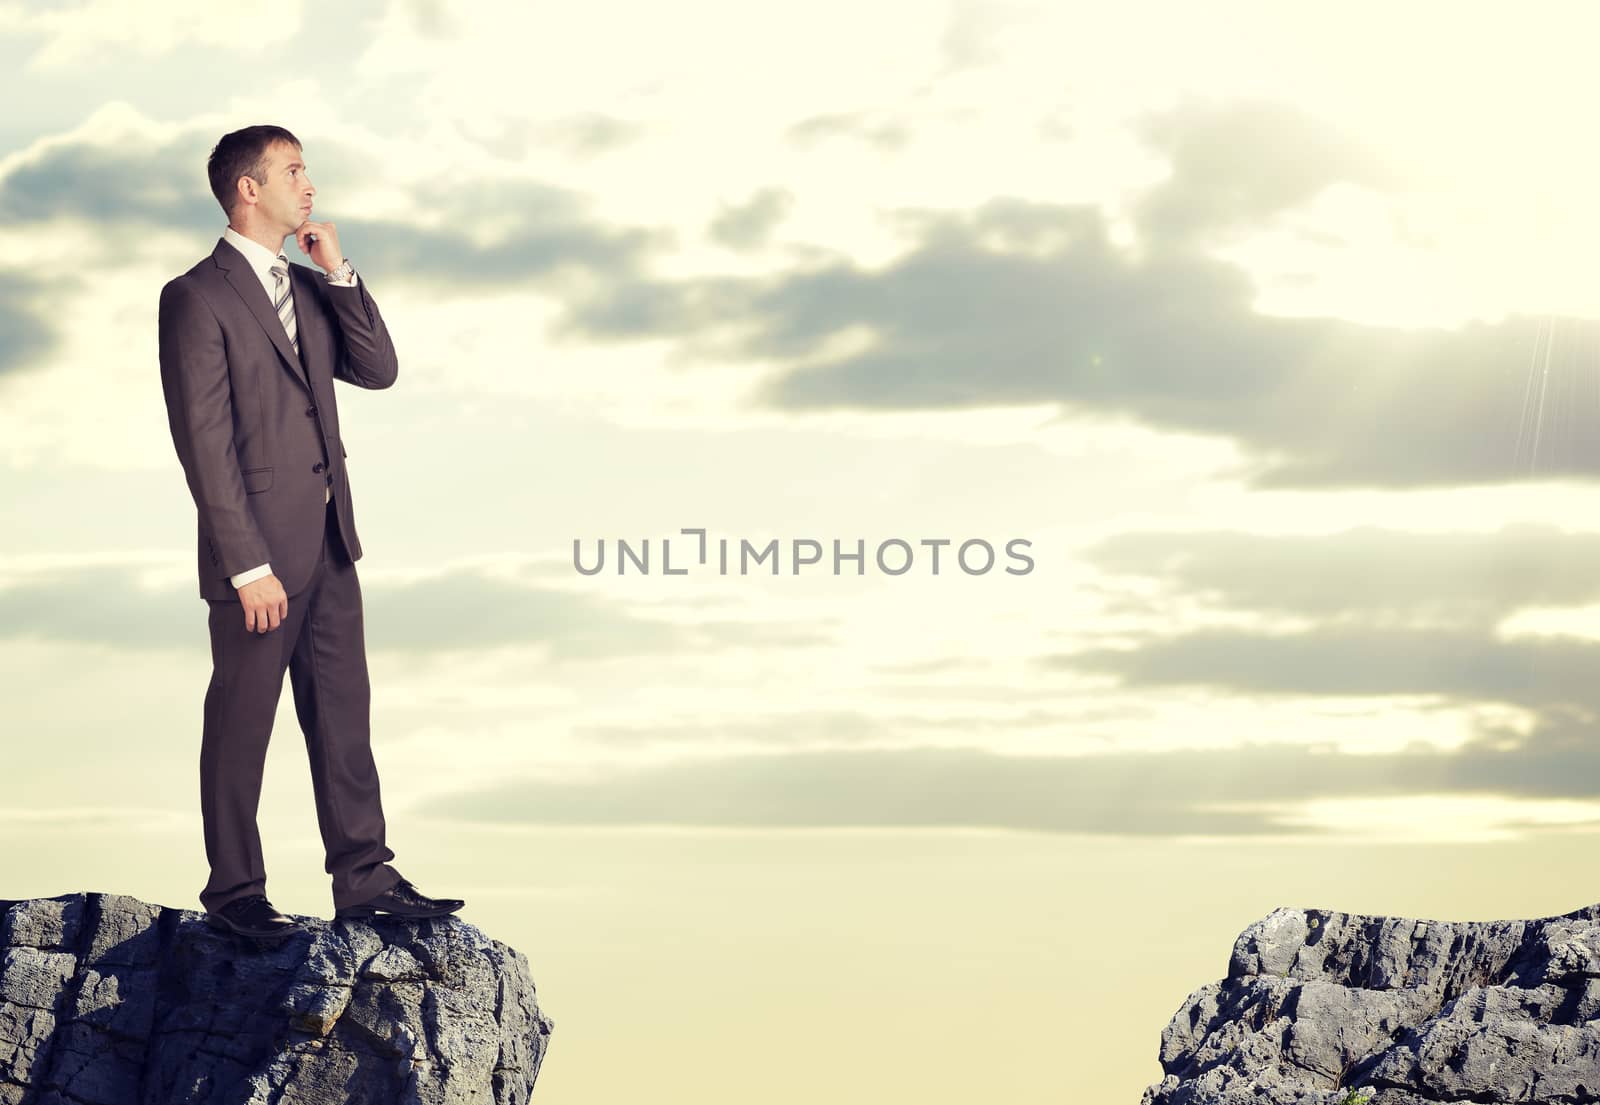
(531, 246)
(482, 232)
(912, 788)
(160, 183)
(1538, 673)
(1021, 303)
(1367, 574)
(1389, 613)
(749, 224)
(1012, 302)
(469, 610)
(99, 605)
(477, 235)
(26, 338)
(104, 604)
(1180, 792)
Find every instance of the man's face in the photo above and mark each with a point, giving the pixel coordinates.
(284, 198)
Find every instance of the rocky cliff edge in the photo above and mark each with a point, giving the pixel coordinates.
(109, 1000)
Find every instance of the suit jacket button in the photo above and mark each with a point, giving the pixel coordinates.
(317, 467)
(311, 412)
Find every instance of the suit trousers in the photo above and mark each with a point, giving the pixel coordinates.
(322, 644)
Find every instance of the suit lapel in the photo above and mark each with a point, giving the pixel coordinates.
(308, 319)
(243, 279)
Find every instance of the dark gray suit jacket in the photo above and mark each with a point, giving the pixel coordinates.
(256, 427)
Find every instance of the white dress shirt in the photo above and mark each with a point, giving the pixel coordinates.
(261, 261)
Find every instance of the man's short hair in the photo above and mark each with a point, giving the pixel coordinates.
(242, 153)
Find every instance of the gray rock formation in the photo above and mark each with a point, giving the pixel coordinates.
(1325, 1008)
(108, 1000)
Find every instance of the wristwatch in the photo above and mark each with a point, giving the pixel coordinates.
(343, 272)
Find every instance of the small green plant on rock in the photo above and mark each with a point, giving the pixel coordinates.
(1356, 1097)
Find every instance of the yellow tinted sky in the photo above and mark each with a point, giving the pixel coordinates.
(1233, 311)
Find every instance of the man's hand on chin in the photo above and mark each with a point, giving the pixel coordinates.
(325, 250)
(265, 604)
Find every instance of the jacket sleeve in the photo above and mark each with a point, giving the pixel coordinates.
(366, 356)
(195, 382)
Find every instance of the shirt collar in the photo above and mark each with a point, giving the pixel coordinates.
(260, 257)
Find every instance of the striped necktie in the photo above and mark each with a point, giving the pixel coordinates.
(283, 301)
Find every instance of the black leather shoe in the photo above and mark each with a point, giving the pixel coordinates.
(254, 916)
(402, 900)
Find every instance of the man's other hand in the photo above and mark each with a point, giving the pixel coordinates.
(265, 604)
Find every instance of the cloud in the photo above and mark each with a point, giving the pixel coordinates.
(973, 36)
(1013, 302)
(912, 788)
(100, 605)
(1017, 302)
(463, 609)
(468, 610)
(123, 181)
(1360, 661)
(521, 229)
(122, 185)
(1236, 163)
(529, 247)
(26, 337)
(749, 224)
(880, 131)
(1024, 303)
(582, 134)
(1389, 613)
(1180, 792)
(1366, 573)
(432, 18)
(807, 728)
(73, 34)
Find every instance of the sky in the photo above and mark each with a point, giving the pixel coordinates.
(1267, 332)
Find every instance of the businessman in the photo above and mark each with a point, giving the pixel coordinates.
(250, 347)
